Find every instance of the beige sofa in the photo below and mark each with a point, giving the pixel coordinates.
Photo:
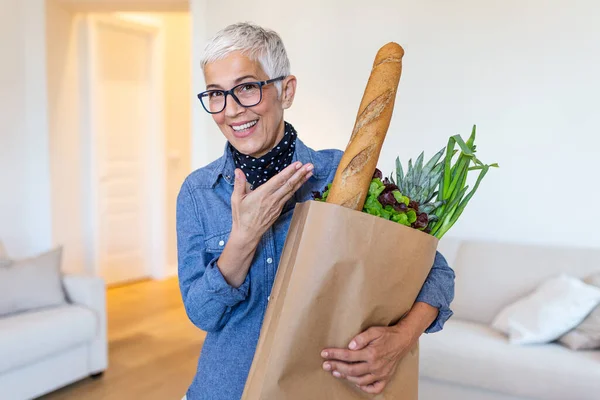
(468, 360)
(45, 349)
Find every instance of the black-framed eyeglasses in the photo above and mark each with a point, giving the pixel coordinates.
(247, 94)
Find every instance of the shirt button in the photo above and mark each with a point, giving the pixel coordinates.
(269, 260)
(221, 243)
(268, 298)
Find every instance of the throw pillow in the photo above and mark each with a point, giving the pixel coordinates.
(586, 336)
(556, 306)
(32, 283)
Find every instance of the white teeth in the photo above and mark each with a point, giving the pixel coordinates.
(245, 126)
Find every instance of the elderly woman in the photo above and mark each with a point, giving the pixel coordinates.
(233, 216)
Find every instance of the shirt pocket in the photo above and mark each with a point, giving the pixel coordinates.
(216, 243)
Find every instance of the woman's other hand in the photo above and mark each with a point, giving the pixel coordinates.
(372, 357)
(252, 213)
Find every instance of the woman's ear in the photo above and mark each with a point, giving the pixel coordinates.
(288, 91)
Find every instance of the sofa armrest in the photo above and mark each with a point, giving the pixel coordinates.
(86, 290)
(90, 292)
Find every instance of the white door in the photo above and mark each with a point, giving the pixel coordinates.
(122, 96)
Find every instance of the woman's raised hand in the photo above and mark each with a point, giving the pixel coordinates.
(253, 212)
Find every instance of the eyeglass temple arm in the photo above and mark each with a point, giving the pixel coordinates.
(273, 80)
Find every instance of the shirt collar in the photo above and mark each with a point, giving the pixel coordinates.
(225, 167)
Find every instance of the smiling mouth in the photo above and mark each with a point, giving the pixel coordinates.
(245, 127)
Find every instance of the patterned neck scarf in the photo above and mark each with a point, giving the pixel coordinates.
(259, 170)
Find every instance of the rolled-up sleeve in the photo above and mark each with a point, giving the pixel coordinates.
(438, 291)
(207, 297)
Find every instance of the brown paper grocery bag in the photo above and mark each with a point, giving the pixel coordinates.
(341, 272)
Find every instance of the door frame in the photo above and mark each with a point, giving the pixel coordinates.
(155, 254)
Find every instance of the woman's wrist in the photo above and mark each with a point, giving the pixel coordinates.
(417, 320)
(236, 258)
(243, 240)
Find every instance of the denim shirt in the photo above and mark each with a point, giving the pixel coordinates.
(232, 317)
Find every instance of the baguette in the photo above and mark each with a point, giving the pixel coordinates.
(357, 166)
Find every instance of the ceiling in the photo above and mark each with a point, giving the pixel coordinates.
(126, 5)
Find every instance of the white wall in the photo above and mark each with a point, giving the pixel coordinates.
(178, 103)
(524, 71)
(202, 126)
(25, 216)
(66, 145)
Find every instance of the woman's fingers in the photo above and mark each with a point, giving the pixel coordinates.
(349, 356)
(374, 388)
(275, 183)
(347, 370)
(364, 380)
(239, 186)
(261, 207)
(291, 185)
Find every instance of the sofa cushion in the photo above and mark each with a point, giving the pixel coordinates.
(586, 335)
(472, 354)
(30, 336)
(491, 275)
(32, 283)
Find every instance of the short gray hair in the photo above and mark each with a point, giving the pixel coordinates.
(257, 43)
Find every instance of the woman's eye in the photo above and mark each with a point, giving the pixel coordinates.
(249, 87)
(215, 94)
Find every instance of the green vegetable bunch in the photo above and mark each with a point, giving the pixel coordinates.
(409, 200)
(452, 191)
(386, 201)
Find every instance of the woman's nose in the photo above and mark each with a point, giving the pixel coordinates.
(232, 108)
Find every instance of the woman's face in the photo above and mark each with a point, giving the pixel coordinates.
(259, 139)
